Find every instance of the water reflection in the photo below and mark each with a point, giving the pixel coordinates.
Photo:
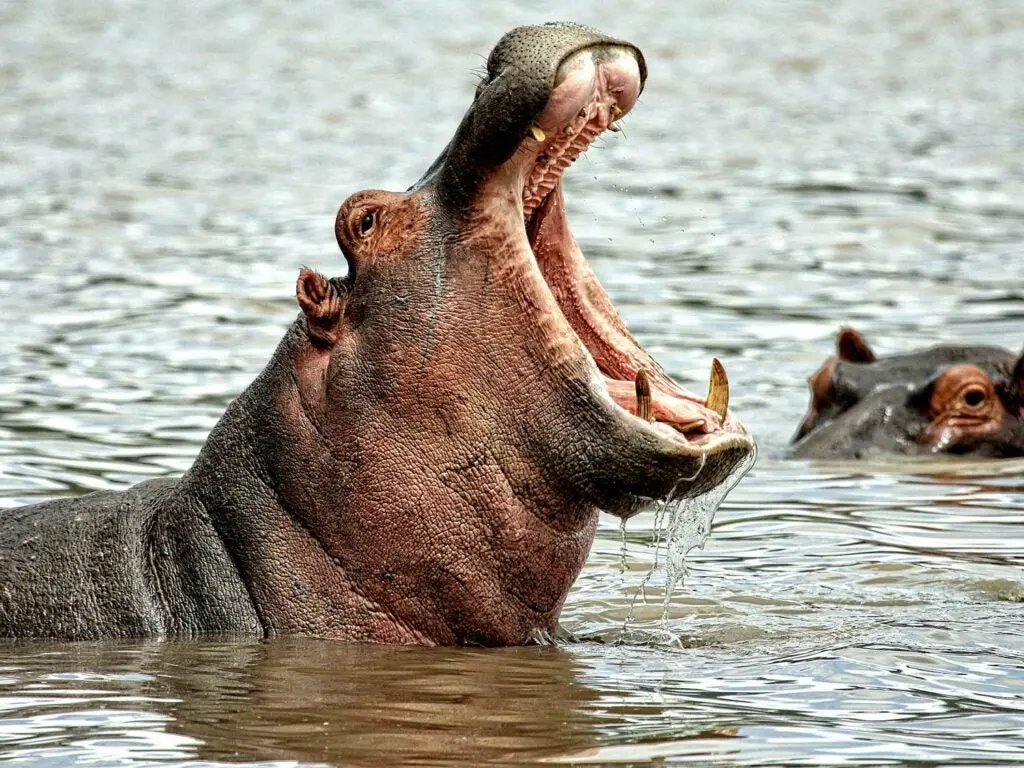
(327, 703)
(293, 700)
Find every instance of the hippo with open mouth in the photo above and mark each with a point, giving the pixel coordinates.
(948, 399)
(425, 455)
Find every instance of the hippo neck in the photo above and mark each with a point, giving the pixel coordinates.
(293, 583)
(329, 544)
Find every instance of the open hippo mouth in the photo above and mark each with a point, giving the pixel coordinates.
(549, 92)
(593, 89)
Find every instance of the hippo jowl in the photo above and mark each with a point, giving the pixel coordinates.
(424, 457)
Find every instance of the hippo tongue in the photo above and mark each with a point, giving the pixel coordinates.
(590, 312)
(685, 415)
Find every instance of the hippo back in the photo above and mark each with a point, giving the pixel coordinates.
(117, 564)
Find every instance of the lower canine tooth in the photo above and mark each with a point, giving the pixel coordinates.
(644, 409)
(718, 389)
(537, 133)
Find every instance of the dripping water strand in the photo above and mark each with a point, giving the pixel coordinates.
(681, 525)
(641, 591)
(689, 525)
(622, 546)
(660, 507)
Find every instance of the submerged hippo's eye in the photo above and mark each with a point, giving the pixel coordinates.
(963, 392)
(367, 222)
(973, 397)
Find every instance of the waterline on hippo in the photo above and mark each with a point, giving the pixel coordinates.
(425, 455)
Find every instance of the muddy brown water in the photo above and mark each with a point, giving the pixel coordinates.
(165, 168)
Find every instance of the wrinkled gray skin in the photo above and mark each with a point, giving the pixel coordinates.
(864, 405)
(409, 468)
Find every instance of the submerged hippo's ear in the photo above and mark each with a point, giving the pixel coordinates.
(322, 304)
(852, 347)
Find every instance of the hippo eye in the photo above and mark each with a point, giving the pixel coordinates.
(974, 397)
(367, 222)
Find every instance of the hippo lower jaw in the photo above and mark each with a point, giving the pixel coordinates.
(630, 377)
(676, 434)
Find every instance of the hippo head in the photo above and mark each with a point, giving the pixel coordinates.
(948, 399)
(467, 394)
(469, 322)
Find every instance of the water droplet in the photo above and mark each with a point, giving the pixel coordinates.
(622, 545)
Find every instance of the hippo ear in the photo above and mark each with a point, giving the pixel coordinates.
(852, 347)
(322, 304)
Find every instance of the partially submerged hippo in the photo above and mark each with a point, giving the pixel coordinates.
(948, 399)
(424, 457)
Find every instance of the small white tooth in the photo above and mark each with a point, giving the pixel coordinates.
(537, 133)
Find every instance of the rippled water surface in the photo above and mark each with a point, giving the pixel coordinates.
(165, 168)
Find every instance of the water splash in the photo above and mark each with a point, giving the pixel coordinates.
(679, 526)
(689, 525)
